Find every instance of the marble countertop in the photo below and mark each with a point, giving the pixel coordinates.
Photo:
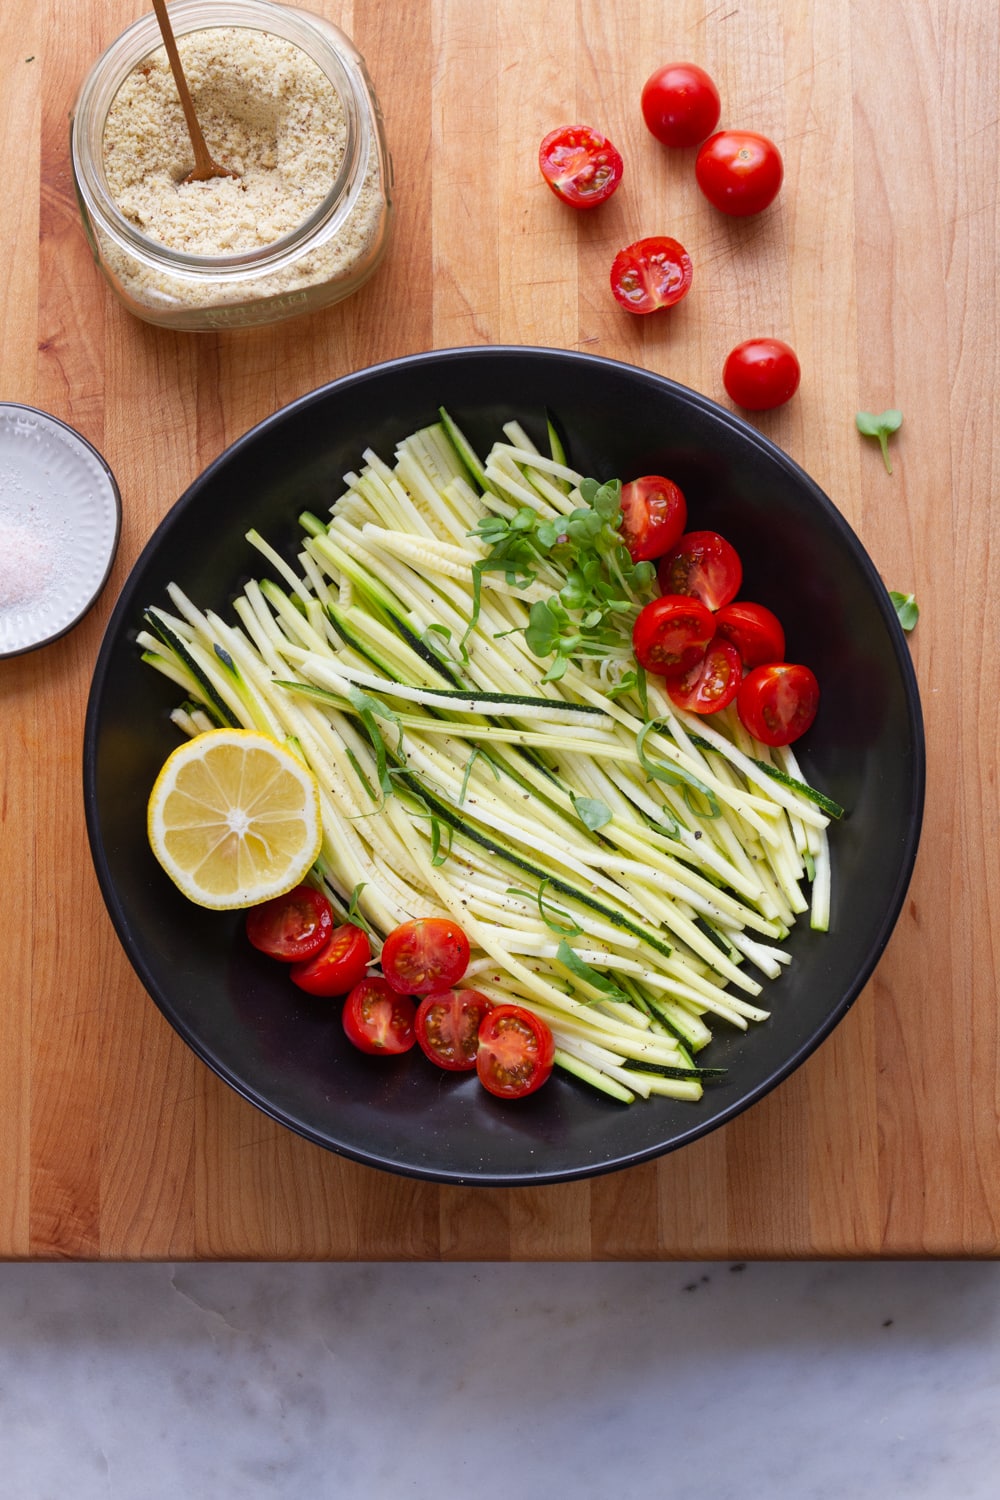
(809, 1380)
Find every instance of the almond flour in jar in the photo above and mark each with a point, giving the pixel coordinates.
(284, 100)
(266, 110)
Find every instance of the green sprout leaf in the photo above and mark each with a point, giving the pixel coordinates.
(437, 639)
(568, 928)
(692, 787)
(355, 915)
(369, 710)
(592, 608)
(593, 813)
(907, 608)
(468, 772)
(880, 425)
(578, 966)
(440, 842)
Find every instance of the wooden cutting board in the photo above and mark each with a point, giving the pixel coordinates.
(879, 264)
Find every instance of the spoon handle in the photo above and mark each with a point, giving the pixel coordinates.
(204, 166)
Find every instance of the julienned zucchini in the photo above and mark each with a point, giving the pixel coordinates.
(465, 452)
(201, 682)
(802, 788)
(638, 916)
(827, 804)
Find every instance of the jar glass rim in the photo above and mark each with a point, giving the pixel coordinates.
(136, 42)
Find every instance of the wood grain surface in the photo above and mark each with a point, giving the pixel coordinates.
(879, 264)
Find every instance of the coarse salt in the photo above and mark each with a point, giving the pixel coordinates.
(26, 565)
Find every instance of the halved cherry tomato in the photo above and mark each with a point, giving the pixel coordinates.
(377, 1019)
(760, 374)
(447, 1027)
(516, 1052)
(756, 633)
(777, 703)
(427, 954)
(580, 165)
(712, 683)
(680, 104)
(338, 967)
(651, 273)
(292, 926)
(703, 564)
(654, 514)
(739, 171)
(671, 633)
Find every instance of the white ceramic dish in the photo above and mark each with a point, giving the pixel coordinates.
(60, 519)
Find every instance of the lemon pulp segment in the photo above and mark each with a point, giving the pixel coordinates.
(234, 818)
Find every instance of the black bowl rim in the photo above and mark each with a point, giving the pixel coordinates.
(790, 1063)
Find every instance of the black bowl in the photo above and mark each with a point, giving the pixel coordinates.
(288, 1055)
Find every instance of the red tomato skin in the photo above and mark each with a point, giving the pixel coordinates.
(427, 954)
(703, 564)
(378, 1020)
(447, 1027)
(516, 1052)
(671, 634)
(760, 374)
(650, 274)
(712, 683)
(337, 967)
(739, 172)
(654, 514)
(580, 165)
(293, 926)
(754, 630)
(778, 702)
(680, 104)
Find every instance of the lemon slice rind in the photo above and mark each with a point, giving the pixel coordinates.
(234, 818)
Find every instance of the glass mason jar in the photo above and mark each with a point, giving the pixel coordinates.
(314, 261)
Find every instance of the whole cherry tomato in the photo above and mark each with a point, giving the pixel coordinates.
(516, 1051)
(711, 683)
(761, 373)
(650, 274)
(756, 633)
(378, 1020)
(292, 926)
(337, 967)
(680, 104)
(777, 703)
(739, 171)
(580, 165)
(671, 633)
(654, 514)
(704, 564)
(427, 954)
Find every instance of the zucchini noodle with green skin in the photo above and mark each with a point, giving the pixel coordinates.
(626, 870)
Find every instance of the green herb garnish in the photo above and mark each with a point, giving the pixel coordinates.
(907, 609)
(592, 812)
(879, 425)
(598, 981)
(602, 588)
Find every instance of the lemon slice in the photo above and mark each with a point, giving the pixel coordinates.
(234, 818)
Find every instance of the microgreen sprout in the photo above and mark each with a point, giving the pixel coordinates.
(907, 608)
(599, 579)
(879, 425)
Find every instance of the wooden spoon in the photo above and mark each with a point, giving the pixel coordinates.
(204, 167)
